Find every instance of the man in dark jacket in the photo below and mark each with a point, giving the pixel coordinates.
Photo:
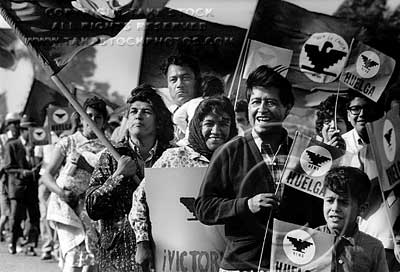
(241, 187)
(22, 188)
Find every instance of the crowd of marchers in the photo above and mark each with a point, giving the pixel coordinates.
(89, 210)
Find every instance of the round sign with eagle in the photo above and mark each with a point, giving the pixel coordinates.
(368, 64)
(60, 116)
(39, 134)
(299, 246)
(316, 160)
(323, 57)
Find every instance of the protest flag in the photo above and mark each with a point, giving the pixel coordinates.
(40, 96)
(384, 135)
(59, 118)
(264, 54)
(320, 42)
(309, 161)
(55, 31)
(298, 248)
(368, 71)
(40, 135)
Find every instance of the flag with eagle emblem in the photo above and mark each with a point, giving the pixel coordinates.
(309, 161)
(385, 141)
(40, 135)
(320, 43)
(60, 118)
(368, 71)
(298, 248)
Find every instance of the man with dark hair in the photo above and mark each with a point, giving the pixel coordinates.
(183, 77)
(240, 188)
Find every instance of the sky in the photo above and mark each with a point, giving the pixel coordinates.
(118, 62)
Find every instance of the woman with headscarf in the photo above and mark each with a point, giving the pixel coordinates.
(213, 124)
(109, 197)
(80, 151)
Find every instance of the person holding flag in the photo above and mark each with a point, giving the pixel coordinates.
(109, 197)
(241, 187)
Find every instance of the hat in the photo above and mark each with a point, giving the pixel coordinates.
(12, 117)
(26, 122)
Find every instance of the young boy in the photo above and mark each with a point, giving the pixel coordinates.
(345, 199)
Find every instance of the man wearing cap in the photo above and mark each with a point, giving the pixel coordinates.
(22, 188)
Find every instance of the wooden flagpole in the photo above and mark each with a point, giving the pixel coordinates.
(64, 90)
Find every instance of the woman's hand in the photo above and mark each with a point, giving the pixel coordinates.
(126, 167)
(69, 197)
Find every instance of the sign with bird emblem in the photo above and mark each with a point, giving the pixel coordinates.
(384, 135)
(183, 243)
(60, 118)
(298, 248)
(40, 135)
(265, 54)
(368, 71)
(323, 57)
(309, 161)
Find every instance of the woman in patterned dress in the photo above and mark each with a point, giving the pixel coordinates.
(213, 124)
(78, 236)
(109, 197)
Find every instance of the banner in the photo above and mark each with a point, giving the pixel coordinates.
(182, 243)
(298, 248)
(60, 118)
(368, 71)
(40, 135)
(309, 161)
(266, 54)
(320, 42)
(56, 31)
(384, 135)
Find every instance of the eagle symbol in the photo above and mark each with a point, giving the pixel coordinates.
(39, 133)
(322, 59)
(368, 63)
(316, 159)
(388, 136)
(59, 115)
(188, 202)
(299, 244)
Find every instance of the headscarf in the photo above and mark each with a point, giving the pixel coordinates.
(216, 105)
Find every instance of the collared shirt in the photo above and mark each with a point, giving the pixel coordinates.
(28, 156)
(274, 161)
(149, 160)
(357, 252)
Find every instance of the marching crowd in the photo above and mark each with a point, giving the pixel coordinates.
(90, 209)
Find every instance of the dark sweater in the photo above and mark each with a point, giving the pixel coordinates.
(236, 173)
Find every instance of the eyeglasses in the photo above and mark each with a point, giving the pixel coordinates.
(356, 110)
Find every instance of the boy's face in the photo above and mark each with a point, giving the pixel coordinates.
(340, 211)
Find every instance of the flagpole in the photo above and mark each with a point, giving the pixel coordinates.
(243, 64)
(64, 90)
(241, 53)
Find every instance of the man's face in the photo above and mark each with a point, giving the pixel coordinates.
(340, 211)
(358, 114)
(266, 109)
(241, 120)
(141, 120)
(181, 83)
